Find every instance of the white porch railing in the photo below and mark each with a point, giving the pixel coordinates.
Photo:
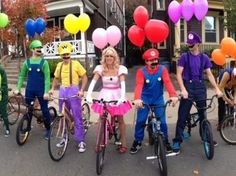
(51, 49)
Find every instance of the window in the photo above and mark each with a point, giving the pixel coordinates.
(182, 30)
(210, 24)
(50, 23)
(162, 45)
(160, 4)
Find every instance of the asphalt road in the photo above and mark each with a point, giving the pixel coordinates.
(33, 159)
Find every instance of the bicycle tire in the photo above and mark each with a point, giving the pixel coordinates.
(86, 116)
(227, 130)
(13, 110)
(207, 138)
(53, 113)
(23, 131)
(59, 131)
(101, 146)
(160, 152)
(150, 133)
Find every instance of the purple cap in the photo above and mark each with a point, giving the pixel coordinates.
(193, 38)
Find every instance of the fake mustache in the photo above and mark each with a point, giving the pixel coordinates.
(66, 58)
(154, 64)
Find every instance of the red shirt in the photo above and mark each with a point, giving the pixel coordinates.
(165, 77)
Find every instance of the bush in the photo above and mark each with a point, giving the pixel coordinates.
(52, 65)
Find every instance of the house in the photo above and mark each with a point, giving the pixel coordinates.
(102, 13)
(211, 29)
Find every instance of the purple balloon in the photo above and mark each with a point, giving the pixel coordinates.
(174, 11)
(200, 9)
(187, 9)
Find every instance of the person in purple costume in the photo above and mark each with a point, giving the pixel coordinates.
(190, 76)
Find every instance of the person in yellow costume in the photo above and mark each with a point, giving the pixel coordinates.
(69, 73)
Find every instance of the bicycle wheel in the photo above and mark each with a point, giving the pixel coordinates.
(101, 146)
(53, 113)
(58, 139)
(228, 130)
(160, 152)
(207, 138)
(23, 131)
(13, 110)
(150, 133)
(86, 116)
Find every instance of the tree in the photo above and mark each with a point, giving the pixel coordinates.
(230, 9)
(18, 12)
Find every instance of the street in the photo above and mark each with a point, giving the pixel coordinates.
(33, 159)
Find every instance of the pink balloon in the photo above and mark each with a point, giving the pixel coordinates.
(187, 9)
(113, 35)
(174, 11)
(200, 9)
(99, 38)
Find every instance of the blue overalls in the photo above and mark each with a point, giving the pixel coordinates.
(196, 91)
(35, 88)
(152, 93)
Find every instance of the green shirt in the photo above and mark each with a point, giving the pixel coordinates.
(24, 73)
(3, 85)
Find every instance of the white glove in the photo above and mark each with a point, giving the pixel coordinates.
(89, 99)
(90, 90)
(122, 93)
(46, 96)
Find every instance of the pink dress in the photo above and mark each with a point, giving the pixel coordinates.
(111, 91)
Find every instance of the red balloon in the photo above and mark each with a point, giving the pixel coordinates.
(156, 31)
(136, 35)
(141, 16)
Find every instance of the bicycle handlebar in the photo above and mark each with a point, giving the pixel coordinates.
(103, 101)
(207, 99)
(157, 106)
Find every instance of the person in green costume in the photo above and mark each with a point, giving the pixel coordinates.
(37, 71)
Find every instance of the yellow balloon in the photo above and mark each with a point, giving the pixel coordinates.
(71, 24)
(84, 22)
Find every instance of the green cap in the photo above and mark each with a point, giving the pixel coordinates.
(35, 44)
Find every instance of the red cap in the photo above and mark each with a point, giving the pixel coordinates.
(150, 54)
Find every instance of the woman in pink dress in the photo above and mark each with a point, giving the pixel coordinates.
(113, 80)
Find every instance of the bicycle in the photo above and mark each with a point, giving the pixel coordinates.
(205, 129)
(61, 127)
(228, 127)
(24, 125)
(13, 109)
(106, 130)
(156, 136)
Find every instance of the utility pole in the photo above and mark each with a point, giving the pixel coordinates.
(124, 32)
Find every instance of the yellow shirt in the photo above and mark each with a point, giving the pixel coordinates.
(77, 72)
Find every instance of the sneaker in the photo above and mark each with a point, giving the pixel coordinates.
(82, 147)
(168, 147)
(135, 147)
(7, 133)
(47, 135)
(176, 147)
(61, 143)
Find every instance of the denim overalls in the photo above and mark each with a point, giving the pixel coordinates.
(35, 88)
(196, 91)
(152, 93)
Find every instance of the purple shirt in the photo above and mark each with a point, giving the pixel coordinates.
(194, 62)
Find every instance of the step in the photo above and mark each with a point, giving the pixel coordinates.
(12, 80)
(10, 75)
(12, 71)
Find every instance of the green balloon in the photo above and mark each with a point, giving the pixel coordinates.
(3, 20)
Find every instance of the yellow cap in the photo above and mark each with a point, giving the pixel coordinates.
(65, 48)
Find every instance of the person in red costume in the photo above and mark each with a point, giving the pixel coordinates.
(150, 81)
